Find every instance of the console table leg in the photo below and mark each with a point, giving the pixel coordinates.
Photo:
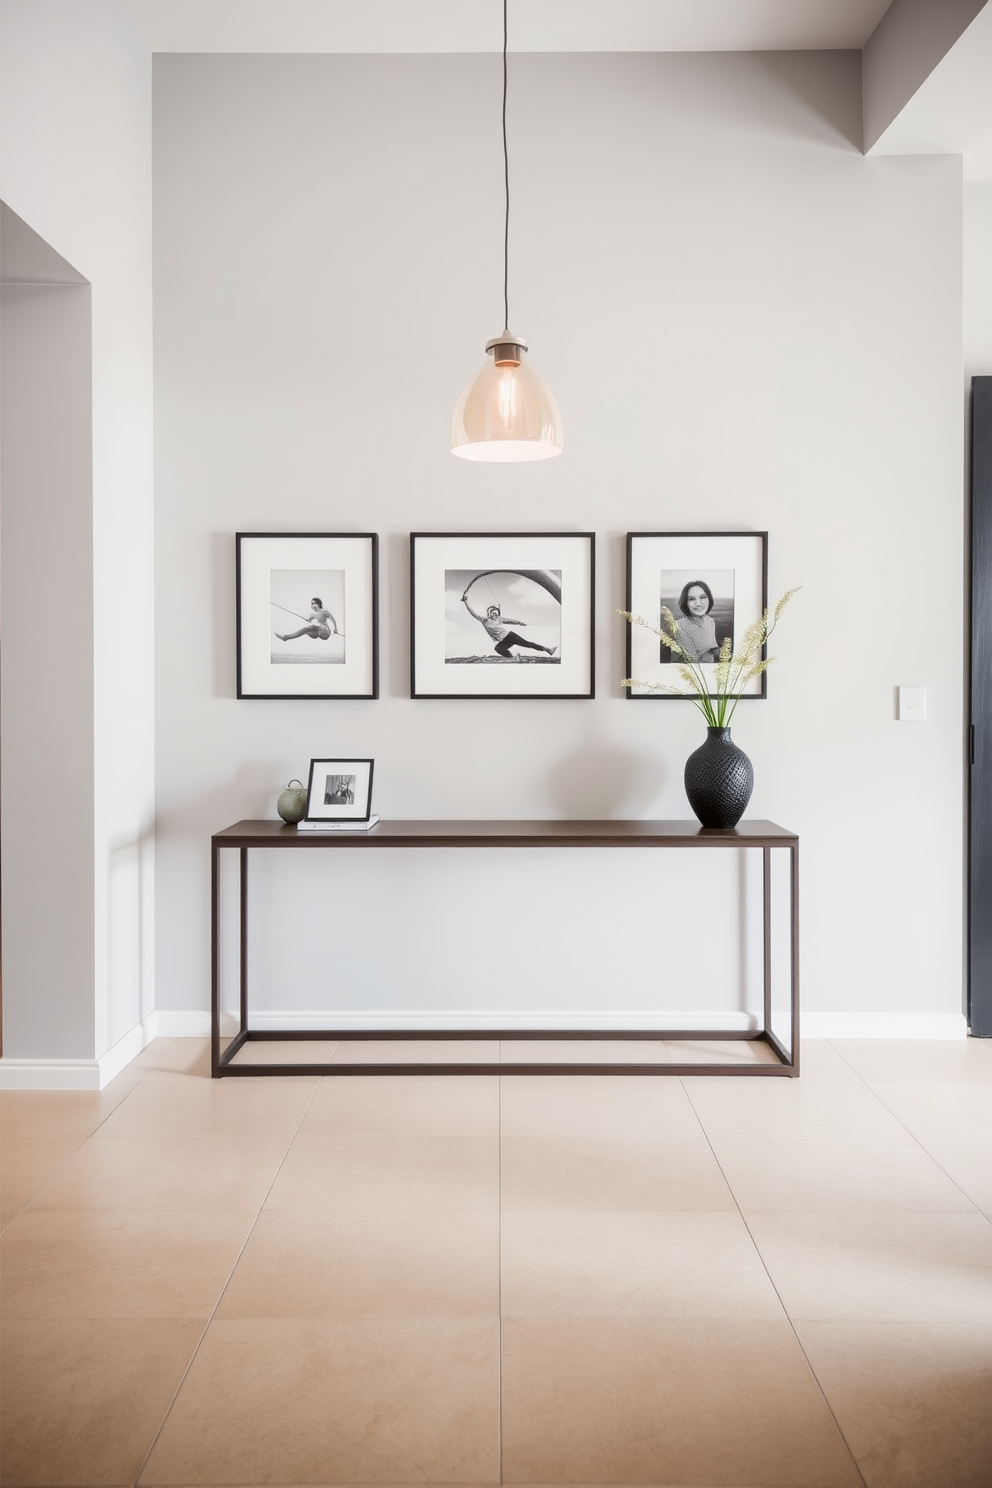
(244, 940)
(214, 961)
(794, 859)
(766, 908)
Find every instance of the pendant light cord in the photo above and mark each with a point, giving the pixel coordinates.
(506, 184)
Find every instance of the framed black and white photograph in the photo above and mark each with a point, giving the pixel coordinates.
(307, 615)
(713, 583)
(502, 615)
(339, 790)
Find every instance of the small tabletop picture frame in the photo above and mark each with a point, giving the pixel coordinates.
(502, 614)
(308, 614)
(714, 583)
(339, 790)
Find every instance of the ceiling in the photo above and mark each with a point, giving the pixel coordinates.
(476, 25)
(950, 113)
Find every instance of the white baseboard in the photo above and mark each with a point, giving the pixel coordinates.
(883, 1025)
(192, 1024)
(429, 1022)
(78, 1074)
(49, 1074)
(127, 1048)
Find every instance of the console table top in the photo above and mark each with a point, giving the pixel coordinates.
(512, 834)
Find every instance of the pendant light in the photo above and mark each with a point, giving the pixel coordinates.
(506, 412)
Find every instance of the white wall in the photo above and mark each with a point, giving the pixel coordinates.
(977, 279)
(75, 121)
(746, 324)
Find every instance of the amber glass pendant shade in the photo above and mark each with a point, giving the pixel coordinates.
(506, 412)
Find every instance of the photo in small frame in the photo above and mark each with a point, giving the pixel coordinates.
(506, 615)
(307, 615)
(713, 583)
(339, 790)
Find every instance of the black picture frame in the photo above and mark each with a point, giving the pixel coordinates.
(354, 808)
(547, 578)
(294, 563)
(659, 562)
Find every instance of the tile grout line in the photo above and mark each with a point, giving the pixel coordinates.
(69, 1156)
(213, 1314)
(771, 1281)
(936, 1162)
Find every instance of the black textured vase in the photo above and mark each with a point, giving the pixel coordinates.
(718, 780)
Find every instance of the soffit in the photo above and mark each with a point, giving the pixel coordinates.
(476, 25)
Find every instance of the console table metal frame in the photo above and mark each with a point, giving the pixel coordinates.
(247, 836)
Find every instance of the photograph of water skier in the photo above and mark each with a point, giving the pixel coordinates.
(503, 603)
(315, 598)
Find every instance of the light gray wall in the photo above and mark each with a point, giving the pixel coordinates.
(746, 324)
(75, 165)
(46, 698)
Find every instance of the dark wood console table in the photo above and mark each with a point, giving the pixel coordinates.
(248, 836)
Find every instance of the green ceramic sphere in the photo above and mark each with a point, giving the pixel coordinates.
(292, 803)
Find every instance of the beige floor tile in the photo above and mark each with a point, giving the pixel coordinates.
(953, 1123)
(368, 1263)
(388, 1170)
(879, 1267)
(911, 1398)
(918, 1061)
(26, 1165)
(185, 1056)
(604, 1142)
(231, 1110)
(141, 1176)
(721, 1051)
(583, 1051)
(61, 1115)
(82, 1401)
(285, 1051)
(819, 1061)
(111, 1265)
(667, 1400)
(785, 1145)
(431, 1105)
(417, 1051)
(157, 1051)
(642, 1264)
(372, 1400)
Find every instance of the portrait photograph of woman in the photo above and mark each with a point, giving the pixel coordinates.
(703, 605)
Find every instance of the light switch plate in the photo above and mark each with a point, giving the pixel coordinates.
(912, 704)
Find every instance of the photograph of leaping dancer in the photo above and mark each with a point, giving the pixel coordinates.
(486, 611)
(306, 609)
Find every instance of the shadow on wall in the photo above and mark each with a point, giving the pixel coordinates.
(250, 793)
(130, 996)
(600, 783)
(830, 92)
